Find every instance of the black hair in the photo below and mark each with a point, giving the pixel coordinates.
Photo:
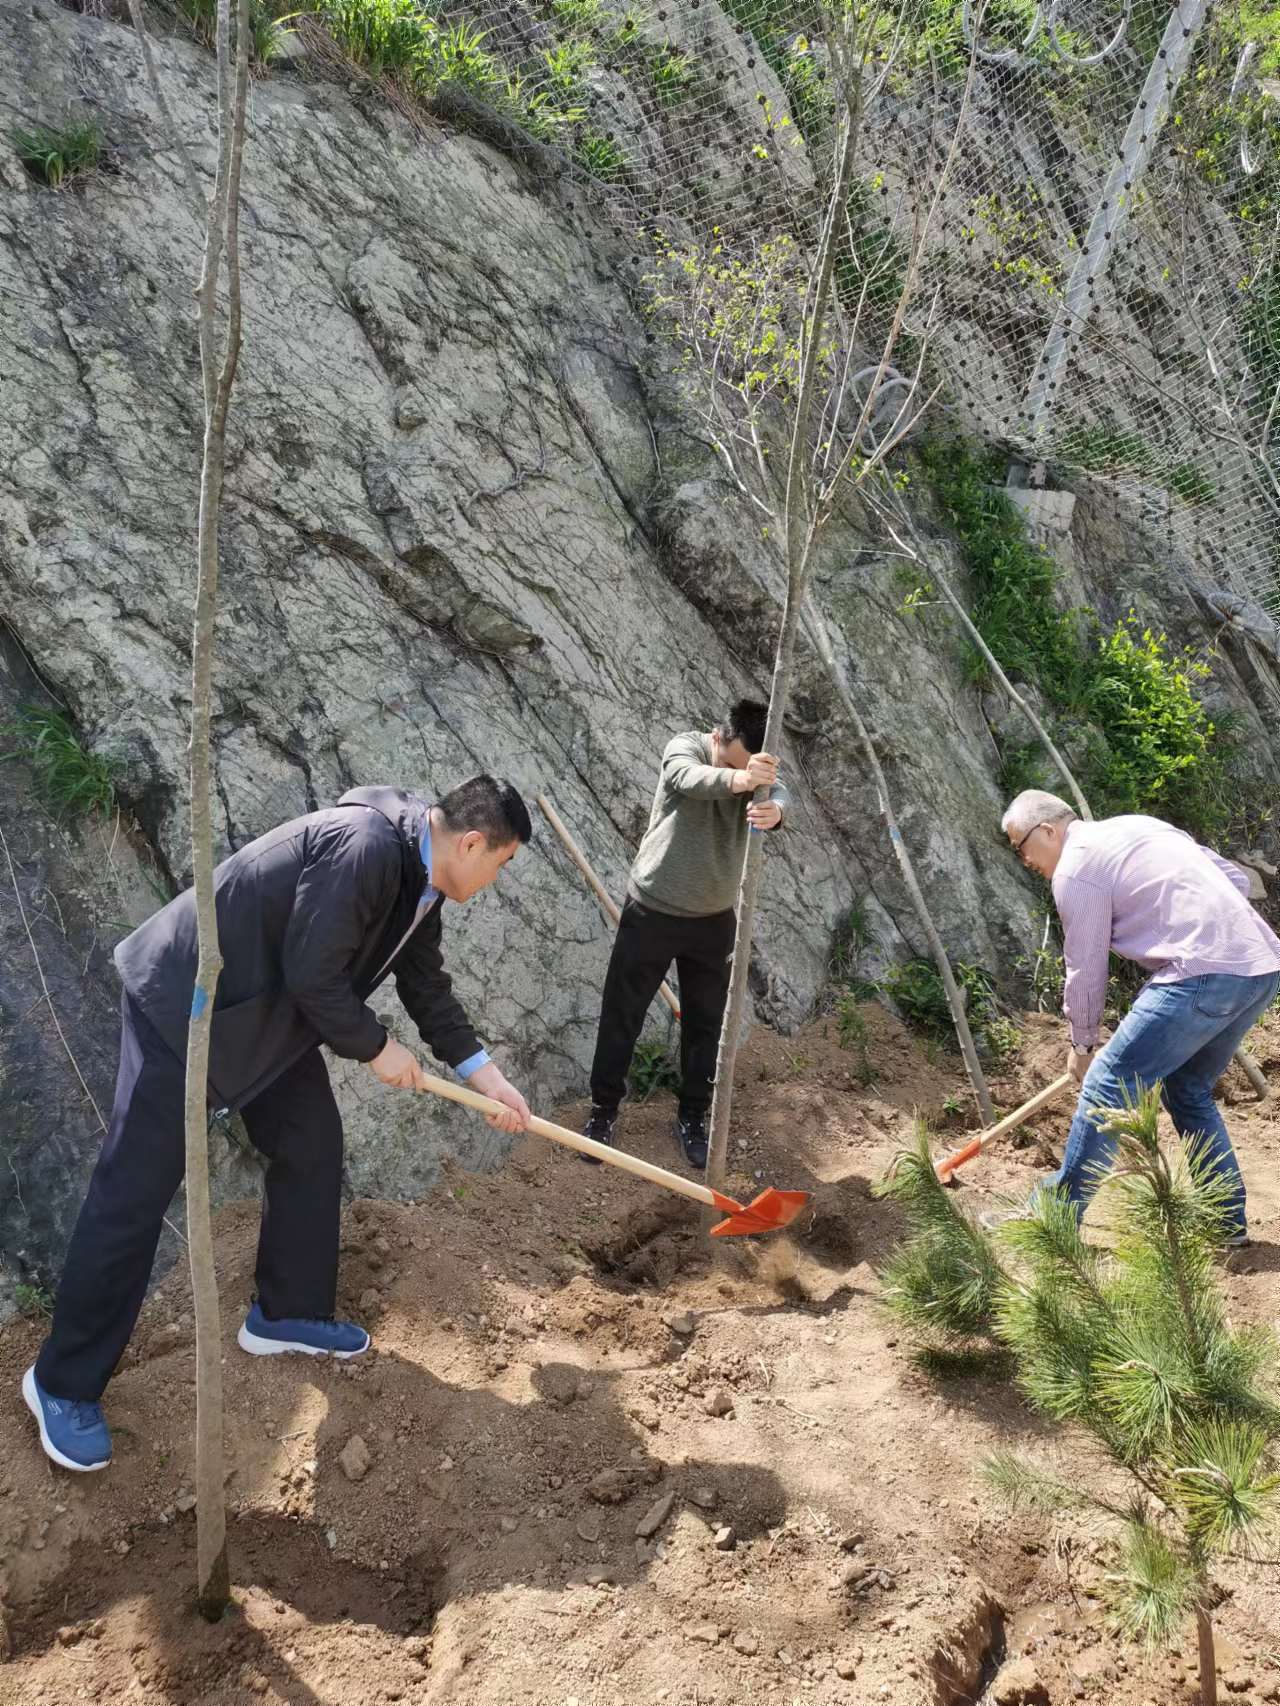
(489, 805)
(745, 722)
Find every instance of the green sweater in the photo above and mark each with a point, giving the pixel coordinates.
(690, 860)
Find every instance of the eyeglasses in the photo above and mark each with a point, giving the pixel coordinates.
(1019, 845)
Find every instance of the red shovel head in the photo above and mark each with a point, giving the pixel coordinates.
(769, 1212)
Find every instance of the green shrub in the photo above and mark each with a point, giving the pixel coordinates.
(402, 39)
(386, 37)
(602, 157)
(921, 997)
(1191, 484)
(1001, 1040)
(54, 155)
(33, 1300)
(578, 14)
(855, 937)
(1261, 331)
(1163, 752)
(851, 1028)
(69, 779)
(567, 64)
(1211, 118)
(672, 75)
(267, 31)
(652, 1068)
(1046, 972)
(539, 112)
(778, 27)
(456, 55)
(1155, 747)
(1013, 581)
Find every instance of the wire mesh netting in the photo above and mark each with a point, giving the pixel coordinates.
(1097, 284)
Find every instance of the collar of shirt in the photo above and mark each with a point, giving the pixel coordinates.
(430, 895)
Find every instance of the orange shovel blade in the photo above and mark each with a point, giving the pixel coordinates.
(769, 1212)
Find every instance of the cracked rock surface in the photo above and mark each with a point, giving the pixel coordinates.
(464, 528)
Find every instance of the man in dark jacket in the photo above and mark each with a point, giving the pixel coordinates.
(311, 918)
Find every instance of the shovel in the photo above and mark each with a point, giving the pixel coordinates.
(1010, 1122)
(769, 1212)
(595, 885)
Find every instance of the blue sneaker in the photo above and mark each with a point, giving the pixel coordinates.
(73, 1432)
(263, 1338)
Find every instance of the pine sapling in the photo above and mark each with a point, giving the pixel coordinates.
(1132, 1347)
(943, 1281)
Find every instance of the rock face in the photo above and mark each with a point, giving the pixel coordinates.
(67, 892)
(464, 529)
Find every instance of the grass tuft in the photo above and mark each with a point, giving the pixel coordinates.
(71, 781)
(54, 155)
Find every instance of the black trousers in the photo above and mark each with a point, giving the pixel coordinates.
(294, 1122)
(644, 947)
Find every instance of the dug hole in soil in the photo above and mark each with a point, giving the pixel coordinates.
(603, 1461)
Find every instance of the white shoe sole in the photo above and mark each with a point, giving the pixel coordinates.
(258, 1347)
(37, 1410)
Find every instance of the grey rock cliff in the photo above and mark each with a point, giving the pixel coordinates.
(463, 530)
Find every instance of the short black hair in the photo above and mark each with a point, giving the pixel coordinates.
(490, 805)
(745, 722)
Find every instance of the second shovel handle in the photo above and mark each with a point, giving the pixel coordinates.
(593, 882)
(1009, 1123)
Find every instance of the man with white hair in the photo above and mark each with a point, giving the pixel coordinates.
(1141, 888)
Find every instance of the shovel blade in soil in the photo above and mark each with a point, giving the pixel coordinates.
(769, 1212)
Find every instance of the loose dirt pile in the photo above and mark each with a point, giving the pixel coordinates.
(597, 1460)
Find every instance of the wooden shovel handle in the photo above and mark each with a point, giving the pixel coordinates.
(584, 1145)
(600, 891)
(1009, 1123)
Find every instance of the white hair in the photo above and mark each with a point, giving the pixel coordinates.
(1033, 806)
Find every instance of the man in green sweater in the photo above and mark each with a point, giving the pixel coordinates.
(680, 905)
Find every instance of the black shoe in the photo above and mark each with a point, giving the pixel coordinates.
(691, 1135)
(600, 1127)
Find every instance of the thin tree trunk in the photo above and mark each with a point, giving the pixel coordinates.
(1208, 1664)
(220, 213)
(221, 233)
(955, 999)
(798, 534)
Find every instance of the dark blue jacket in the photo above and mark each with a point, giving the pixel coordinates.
(308, 916)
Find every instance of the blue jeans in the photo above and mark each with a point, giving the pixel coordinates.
(1180, 1035)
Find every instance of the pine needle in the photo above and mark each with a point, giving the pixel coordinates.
(943, 1282)
(1154, 1589)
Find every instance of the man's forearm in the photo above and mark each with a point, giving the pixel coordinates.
(1084, 999)
(1085, 911)
(699, 781)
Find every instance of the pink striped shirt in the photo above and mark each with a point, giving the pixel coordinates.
(1149, 892)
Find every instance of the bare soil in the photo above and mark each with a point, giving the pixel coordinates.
(555, 1450)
